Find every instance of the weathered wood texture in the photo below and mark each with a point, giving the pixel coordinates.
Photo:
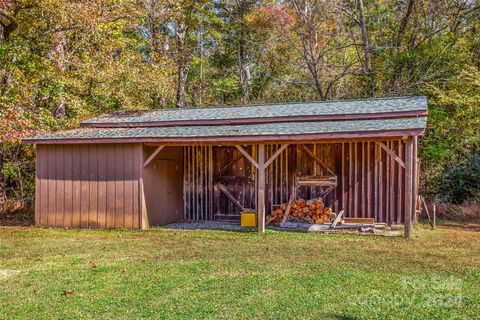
(88, 185)
(370, 180)
(198, 184)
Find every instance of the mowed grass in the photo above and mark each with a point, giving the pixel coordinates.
(175, 274)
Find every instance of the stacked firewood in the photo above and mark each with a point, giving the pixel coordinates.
(305, 211)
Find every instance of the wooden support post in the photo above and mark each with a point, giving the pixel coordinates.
(375, 182)
(369, 182)
(408, 186)
(415, 178)
(392, 186)
(350, 181)
(211, 190)
(400, 184)
(355, 181)
(344, 205)
(185, 182)
(363, 188)
(261, 189)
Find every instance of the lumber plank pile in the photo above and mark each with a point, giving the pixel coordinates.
(303, 211)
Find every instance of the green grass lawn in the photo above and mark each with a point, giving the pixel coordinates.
(168, 274)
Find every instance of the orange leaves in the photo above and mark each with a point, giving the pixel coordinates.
(14, 125)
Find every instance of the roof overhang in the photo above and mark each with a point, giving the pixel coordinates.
(392, 134)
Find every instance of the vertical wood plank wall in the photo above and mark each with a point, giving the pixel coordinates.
(370, 182)
(198, 167)
(88, 185)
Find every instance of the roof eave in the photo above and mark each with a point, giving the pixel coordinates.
(233, 139)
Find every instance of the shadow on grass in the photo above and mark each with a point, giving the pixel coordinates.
(16, 219)
(461, 225)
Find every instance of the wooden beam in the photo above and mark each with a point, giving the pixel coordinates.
(399, 197)
(355, 181)
(408, 187)
(320, 162)
(275, 155)
(415, 178)
(344, 206)
(376, 179)
(235, 140)
(222, 188)
(337, 219)
(391, 153)
(350, 180)
(219, 142)
(210, 177)
(369, 181)
(321, 181)
(261, 188)
(289, 206)
(159, 148)
(249, 158)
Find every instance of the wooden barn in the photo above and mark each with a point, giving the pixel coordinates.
(136, 169)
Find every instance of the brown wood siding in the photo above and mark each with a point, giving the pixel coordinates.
(88, 185)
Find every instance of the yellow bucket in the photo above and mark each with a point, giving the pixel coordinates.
(248, 219)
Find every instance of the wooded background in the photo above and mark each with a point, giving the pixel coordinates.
(63, 61)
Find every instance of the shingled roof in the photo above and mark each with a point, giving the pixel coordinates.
(325, 110)
(292, 121)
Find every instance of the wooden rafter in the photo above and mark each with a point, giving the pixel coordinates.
(392, 154)
(152, 156)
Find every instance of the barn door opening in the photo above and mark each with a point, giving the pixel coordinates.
(162, 185)
(234, 183)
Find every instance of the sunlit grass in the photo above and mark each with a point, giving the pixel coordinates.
(175, 274)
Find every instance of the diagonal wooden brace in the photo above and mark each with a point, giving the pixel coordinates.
(391, 153)
(275, 155)
(249, 157)
(317, 160)
(152, 156)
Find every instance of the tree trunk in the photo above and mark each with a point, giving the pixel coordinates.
(398, 69)
(2, 181)
(366, 50)
(183, 68)
(244, 68)
(8, 25)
